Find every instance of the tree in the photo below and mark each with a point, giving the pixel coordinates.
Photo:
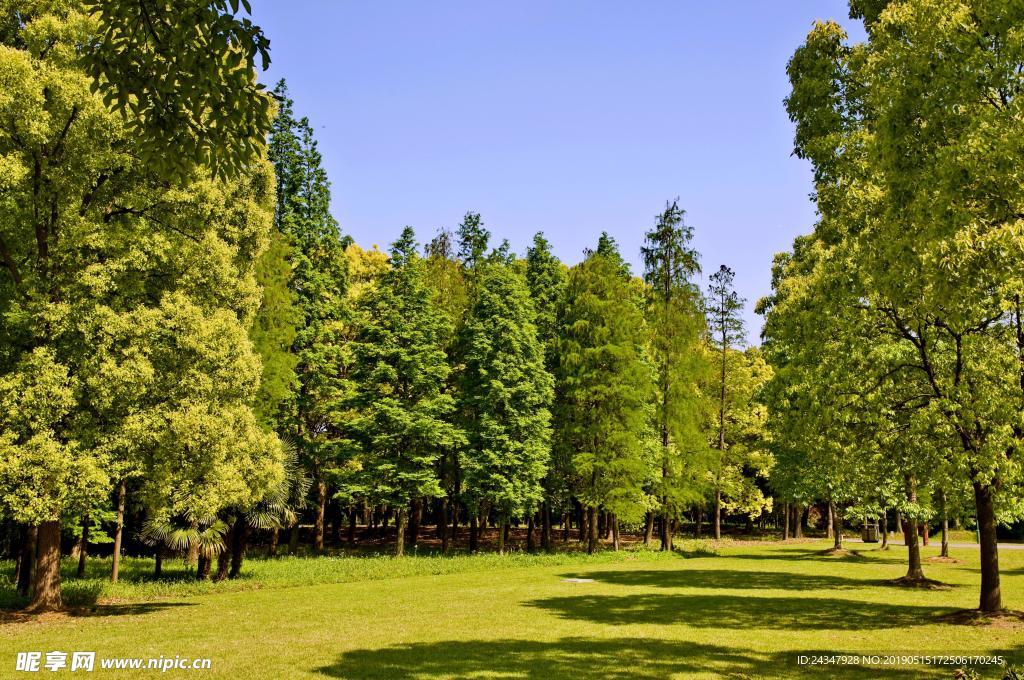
(545, 275)
(319, 280)
(400, 371)
(676, 326)
(725, 328)
(603, 390)
(507, 384)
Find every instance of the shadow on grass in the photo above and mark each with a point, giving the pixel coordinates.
(127, 609)
(853, 556)
(731, 611)
(723, 578)
(576, 657)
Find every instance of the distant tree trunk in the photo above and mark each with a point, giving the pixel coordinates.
(400, 522)
(699, 512)
(530, 525)
(545, 526)
(885, 529)
(203, 569)
(718, 514)
(46, 577)
(158, 563)
(293, 540)
(663, 531)
(238, 544)
(27, 563)
(829, 525)
(924, 532)
(414, 523)
(585, 525)
(837, 525)
(899, 522)
(672, 534)
(474, 532)
(749, 528)
(224, 557)
(798, 526)
(785, 522)
(984, 503)
(566, 527)
(945, 524)
(502, 533)
(615, 532)
(115, 567)
(321, 507)
(648, 528)
(442, 525)
(83, 548)
(274, 538)
(592, 530)
(350, 539)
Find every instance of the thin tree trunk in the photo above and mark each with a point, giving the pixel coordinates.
(663, 531)
(530, 526)
(83, 548)
(241, 538)
(837, 526)
(158, 565)
(785, 522)
(115, 567)
(502, 526)
(592, 530)
(442, 526)
(700, 521)
(566, 527)
(545, 526)
(27, 564)
(46, 576)
(400, 522)
(648, 528)
(293, 540)
(885, 529)
(984, 502)
(351, 537)
(414, 523)
(321, 507)
(718, 514)
(924, 532)
(615, 532)
(945, 524)
(474, 533)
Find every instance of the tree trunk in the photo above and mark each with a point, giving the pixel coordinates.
(400, 522)
(663, 531)
(615, 532)
(474, 533)
(545, 526)
(318, 525)
(592, 530)
(530, 525)
(115, 567)
(442, 526)
(293, 540)
(27, 564)
(83, 548)
(241, 538)
(414, 523)
(274, 538)
(785, 521)
(350, 539)
(718, 514)
(837, 525)
(984, 503)
(46, 576)
(648, 528)
(566, 527)
(885, 529)
(502, 526)
(671, 534)
(945, 525)
(699, 512)
(158, 563)
(504, 531)
(914, 570)
(798, 525)
(224, 557)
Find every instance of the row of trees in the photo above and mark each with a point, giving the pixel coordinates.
(895, 328)
(186, 337)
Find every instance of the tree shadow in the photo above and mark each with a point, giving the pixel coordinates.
(723, 578)
(127, 609)
(575, 657)
(872, 556)
(731, 611)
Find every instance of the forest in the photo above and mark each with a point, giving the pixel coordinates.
(197, 363)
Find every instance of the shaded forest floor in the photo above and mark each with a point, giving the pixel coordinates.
(744, 610)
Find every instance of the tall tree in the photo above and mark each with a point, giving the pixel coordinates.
(404, 413)
(507, 384)
(725, 330)
(604, 388)
(677, 326)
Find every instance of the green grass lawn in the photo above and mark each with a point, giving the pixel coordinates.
(747, 612)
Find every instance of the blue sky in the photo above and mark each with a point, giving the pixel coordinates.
(570, 117)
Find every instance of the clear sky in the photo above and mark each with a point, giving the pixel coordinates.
(570, 117)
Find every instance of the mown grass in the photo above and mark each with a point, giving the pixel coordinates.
(748, 611)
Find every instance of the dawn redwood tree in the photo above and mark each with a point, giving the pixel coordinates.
(319, 281)
(546, 275)
(403, 414)
(604, 388)
(725, 331)
(676, 326)
(507, 384)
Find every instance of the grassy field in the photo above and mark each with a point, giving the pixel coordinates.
(748, 611)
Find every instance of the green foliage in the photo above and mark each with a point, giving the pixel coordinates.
(182, 75)
(507, 384)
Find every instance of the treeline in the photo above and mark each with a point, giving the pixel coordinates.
(895, 328)
(191, 352)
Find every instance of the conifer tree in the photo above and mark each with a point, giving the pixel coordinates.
(400, 369)
(507, 384)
